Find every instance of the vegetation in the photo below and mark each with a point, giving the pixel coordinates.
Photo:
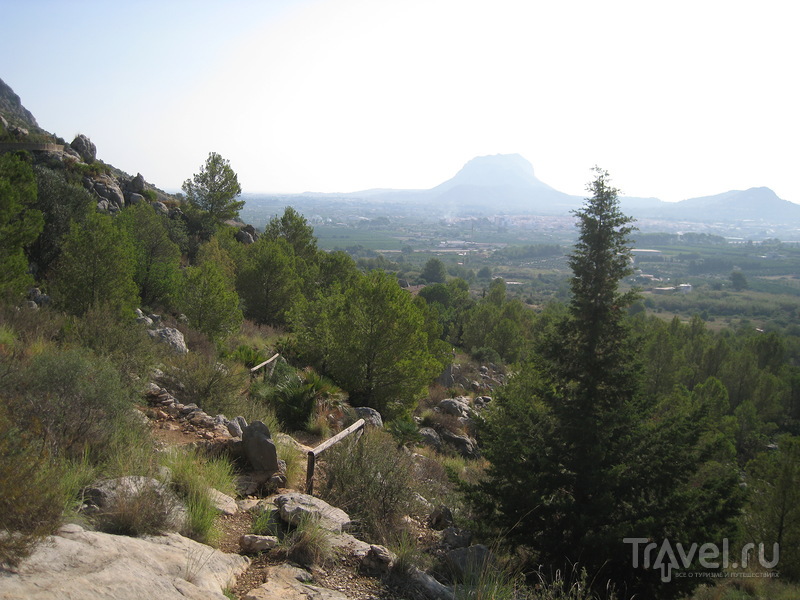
(214, 189)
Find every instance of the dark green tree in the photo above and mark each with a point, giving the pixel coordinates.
(738, 281)
(157, 256)
(210, 301)
(268, 282)
(20, 223)
(96, 268)
(434, 271)
(580, 460)
(293, 227)
(371, 339)
(215, 189)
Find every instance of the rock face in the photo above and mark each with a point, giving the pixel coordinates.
(86, 565)
(259, 448)
(85, 147)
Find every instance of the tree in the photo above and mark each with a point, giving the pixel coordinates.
(268, 281)
(96, 267)
(580, 460)
(293, 227)
(434, 271)
(209, 300)
(215, 189)
(738, 281)
(157, 256)
(370, 339)
(20, 223)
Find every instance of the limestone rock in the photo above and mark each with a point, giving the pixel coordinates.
(378, 560)
(171, 337)
(108, 495)
(294, 505)
(465, 446)
(85, 147)
(86, 565)
(136, 185)
(458, 407)
(430, 438)
(160, 207)
(440, 518)
(251, 543)
(222, 502)
(371, 416)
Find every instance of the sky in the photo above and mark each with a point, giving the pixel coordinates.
(675, 99)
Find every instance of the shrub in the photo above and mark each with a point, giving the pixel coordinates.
(75, 398)
(405, 432)
(487, 355)
(214, 386)
(147, 511)
(370, 478)
(30, 503)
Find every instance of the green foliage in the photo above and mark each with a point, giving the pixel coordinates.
(370, 339)
(434, 271)
(214, 385)
(293, 227)
(738, 281)
(75, 398)
(579, 460)
(30, 497)
(268, 282)
(209, 300)
(156, 256)
(773, 512)
(308, 543)
(298, 397)
(405, 431)
(96, 267)
(20, 223)
(192, 474)
(370, 479)
(215, 189)
(146, 511)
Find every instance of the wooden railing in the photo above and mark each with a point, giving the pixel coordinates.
(262, 365)
(312, 454)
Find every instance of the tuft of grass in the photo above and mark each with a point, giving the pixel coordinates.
(308, 543)
(192, 474)
(266, 523)
(149, 511)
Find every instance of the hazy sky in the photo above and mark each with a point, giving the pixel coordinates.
(676, 99)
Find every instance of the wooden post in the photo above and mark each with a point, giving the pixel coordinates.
(312, 454)
(262, 365)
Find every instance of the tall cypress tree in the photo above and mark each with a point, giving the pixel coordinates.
(579, 458)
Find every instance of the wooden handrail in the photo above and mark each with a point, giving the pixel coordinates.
(263, 364)
(312, 454)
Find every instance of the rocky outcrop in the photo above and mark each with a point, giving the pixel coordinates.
(85, 148)
(171, 337)
(85, 565)
(293, 506)
(292, 583)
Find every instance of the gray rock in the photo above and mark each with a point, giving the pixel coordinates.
(431, 438)
(171, 337)
(241, 421)
(465, 446)
(108, 495)
(259, 448)
(85, 147)
(378, 560)
(291, 583)
(98, 566)
(293, 506)
(467, 560)
(371, 416)
(440, 518)
(452, 537)
(160, 207)
(135, 198)
(250, 543)
(234, 428)
(146, 321)
(243, 237)
(429, 587)
(458, 407)
(222, 502)
(136, 184)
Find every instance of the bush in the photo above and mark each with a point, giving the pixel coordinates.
(30, 503)
(147, 511)
(75, 399)
(370, 478)
(486, 356)
(214, 386)
(308, 543)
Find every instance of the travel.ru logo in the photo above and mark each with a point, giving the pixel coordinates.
(709, 556)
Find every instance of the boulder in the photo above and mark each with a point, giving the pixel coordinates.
(109, 496)
(87, 565)
(452, 537)
(293, 506)
(430, 438)
(259, 448)
(222, 502)
(160, 207)
(457, 407)
(371, 416)
(134, 198)
(440, 518)
(85, 148)
(136, 185)
(171, 337)
(467, 447)
(251, 543)
(378, 561)
(234, 428)
(243, 237)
